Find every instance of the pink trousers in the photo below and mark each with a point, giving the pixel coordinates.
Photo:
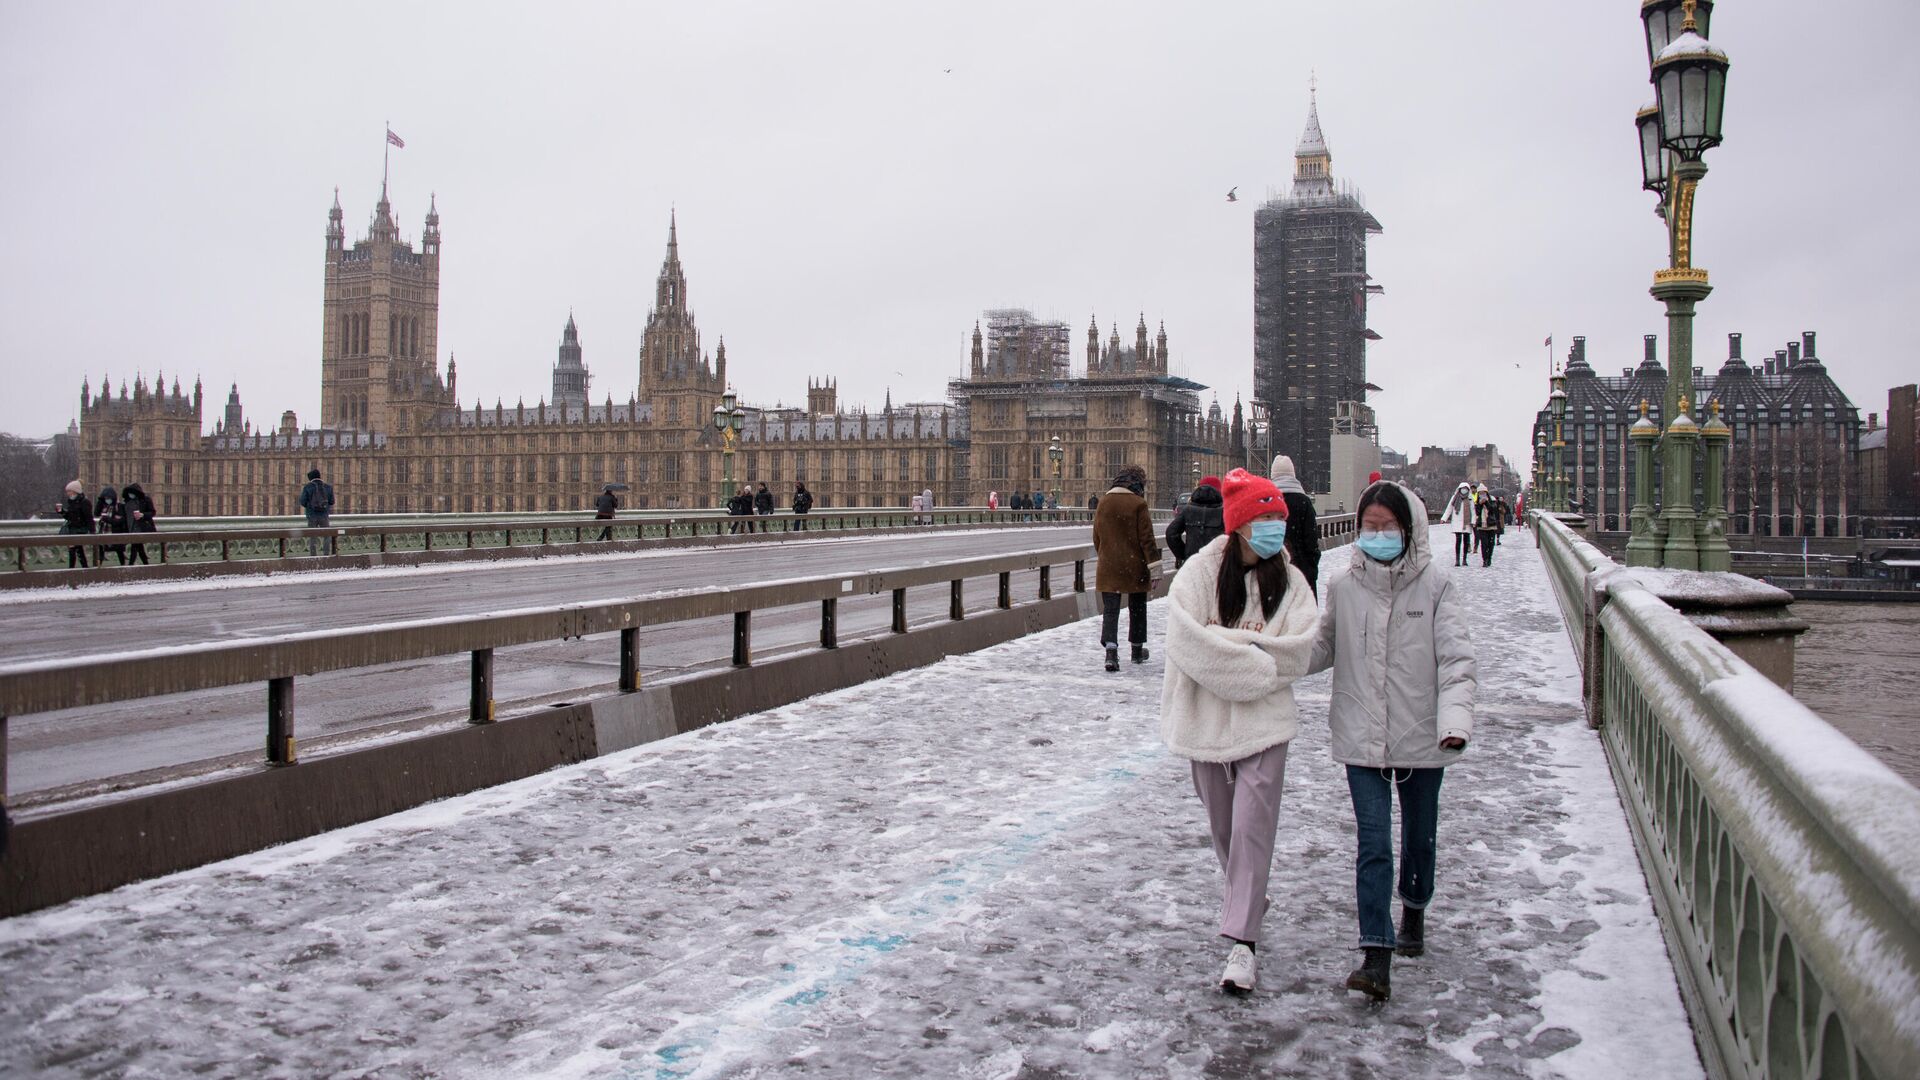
(1243, 810)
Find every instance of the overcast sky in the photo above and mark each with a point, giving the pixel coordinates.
(856, 182)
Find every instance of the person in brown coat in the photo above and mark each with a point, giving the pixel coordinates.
(1129, 556)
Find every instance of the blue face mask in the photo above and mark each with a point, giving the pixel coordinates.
(1384, 546)
(1268, 538)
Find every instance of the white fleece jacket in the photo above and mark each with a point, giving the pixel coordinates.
(1228, 692)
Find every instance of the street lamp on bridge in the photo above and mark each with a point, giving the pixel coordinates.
(1057, 454)
(728, 419)
(1689, 79)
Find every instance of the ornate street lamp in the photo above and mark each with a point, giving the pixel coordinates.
(729, 419)
(1056, 454)
(1689, 78)
(1558, 483)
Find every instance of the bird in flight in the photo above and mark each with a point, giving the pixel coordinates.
(948, 70)
(1231, 197)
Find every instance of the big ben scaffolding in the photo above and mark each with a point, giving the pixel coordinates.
(1310, 307)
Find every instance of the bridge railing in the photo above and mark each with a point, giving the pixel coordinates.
(47, 686)
(48, 551)
(1782, 854)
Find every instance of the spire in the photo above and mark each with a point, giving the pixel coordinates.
(1312, 140)
(1312, 161)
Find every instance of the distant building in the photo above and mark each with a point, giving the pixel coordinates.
(1791, 469)
(394, 438)
(1310, 289)
(1125, 409)
(1889, 470)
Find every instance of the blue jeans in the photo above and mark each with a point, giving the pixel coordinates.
(1372, 793)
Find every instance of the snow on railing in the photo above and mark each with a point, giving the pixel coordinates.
(1783, 856)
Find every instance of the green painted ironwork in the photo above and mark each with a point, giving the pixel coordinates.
(1781, 854)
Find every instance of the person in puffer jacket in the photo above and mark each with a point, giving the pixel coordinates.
(1395, 634)
(1241, 626)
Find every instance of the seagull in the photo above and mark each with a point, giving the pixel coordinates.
(1231, 197)
(948, 70)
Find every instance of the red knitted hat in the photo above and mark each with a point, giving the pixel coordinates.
(1248, 496)
(1210, 481)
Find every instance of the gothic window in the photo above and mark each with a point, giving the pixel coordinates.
(573, 468)
(706, 468)
(997, 463)
(997, 412)
(640, 470)
(933, 465)
(906, 465)
(853, 466)
(1079, 463)
(486, 476)
(670, 469)
(800, 466)
(553, 469)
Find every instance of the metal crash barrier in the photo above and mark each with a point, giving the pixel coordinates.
(48, 551)
(48, 686)
(1782, 854)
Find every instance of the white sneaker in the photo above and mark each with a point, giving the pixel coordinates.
(1238, 978)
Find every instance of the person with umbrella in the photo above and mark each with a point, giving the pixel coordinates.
(605, 506)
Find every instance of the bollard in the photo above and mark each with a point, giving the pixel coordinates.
(742, 638)
(829, 623)
(899, 611)
(1006, 589)
(956, 610)
(1079, 575)
(480, 701)
(629, 660)
(280, 745)
(1046, 583)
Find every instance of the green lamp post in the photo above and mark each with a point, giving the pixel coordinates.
(729, 419)
(1557, 483)
(1690, 79)
(1715, 438)
(1643, 546)
(1538, 498)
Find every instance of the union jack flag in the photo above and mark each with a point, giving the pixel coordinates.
(396, 140)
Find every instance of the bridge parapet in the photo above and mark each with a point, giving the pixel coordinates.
(1782, 854)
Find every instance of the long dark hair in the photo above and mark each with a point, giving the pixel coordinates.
(1231, 585)
(1395, 500)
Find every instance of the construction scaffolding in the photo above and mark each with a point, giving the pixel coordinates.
(1310, 318)
(1020, 346)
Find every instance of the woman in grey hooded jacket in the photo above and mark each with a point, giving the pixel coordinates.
(1395, 633)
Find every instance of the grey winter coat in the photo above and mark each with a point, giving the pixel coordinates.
(1395, 635)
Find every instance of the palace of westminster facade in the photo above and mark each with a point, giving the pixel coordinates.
(394, 438)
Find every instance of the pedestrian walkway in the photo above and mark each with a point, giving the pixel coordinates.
(986, 868)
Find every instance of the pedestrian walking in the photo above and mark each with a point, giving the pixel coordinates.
(1241, 627)
(993, 502)
(763, 506)
(316, 498)
(112, 518)
(604, 507)
(1486, 524)
(802, 504)
(1123, 541)
(1195, 524)
(76, 515)
(1093, 501)
(926, 503)
(138, 507)
(1303, 523)
(739, 504)
(1506, 516)
(1459, 515)
(1395, 634)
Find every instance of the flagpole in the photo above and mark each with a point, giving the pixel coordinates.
(386, 149)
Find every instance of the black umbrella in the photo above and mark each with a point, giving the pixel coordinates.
(615, 487)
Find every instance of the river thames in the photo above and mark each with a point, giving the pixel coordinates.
(1859, 668)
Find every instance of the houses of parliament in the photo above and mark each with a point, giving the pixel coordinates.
(393, 436)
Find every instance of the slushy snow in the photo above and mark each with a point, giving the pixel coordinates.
(985, 868)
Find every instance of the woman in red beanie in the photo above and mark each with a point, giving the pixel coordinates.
(1241, 626)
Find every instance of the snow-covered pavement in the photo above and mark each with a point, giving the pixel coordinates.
(987, 868)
